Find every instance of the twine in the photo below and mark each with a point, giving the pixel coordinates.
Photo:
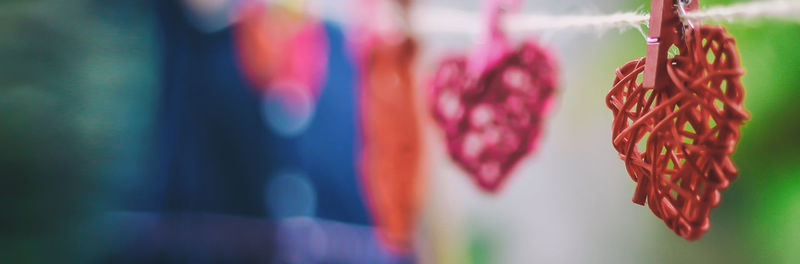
(436, 20)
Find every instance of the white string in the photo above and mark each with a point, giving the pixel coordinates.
(769, 9)
(528, 23)
(436, 20)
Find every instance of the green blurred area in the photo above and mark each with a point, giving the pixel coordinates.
(768, 155)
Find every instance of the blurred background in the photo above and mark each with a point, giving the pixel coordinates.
(141, 131)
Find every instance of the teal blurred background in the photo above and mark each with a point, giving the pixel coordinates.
(77, 97)
(78, 93)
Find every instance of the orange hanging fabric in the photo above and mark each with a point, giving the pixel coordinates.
(687, 112)
(392, 154)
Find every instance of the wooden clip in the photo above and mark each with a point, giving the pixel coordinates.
(664, 32)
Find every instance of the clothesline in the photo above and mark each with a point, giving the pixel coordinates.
(438, 20)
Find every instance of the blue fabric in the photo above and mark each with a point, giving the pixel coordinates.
(215, 153)
(327, 150)
(211, 149)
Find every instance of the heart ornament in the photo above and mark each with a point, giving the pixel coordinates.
(676, 140)
(492, 120)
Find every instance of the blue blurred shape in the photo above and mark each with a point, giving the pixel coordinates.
(290, 194)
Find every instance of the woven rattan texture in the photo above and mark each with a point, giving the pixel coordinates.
(493, 120)
(676, 140)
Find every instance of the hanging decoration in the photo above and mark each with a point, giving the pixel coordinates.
(677, 127)
(491, 106)
(393, 152)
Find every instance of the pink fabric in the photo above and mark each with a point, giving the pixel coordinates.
(307, 56)
(305, 63)
(282, 53)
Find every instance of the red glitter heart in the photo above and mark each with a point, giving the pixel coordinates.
(493, 120)
(689, 129)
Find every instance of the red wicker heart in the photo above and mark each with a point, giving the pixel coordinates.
(688, 130)
(493, 120)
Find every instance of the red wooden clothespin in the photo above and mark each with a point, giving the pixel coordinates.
(664, 31)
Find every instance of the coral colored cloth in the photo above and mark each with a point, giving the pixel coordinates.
(392, 139)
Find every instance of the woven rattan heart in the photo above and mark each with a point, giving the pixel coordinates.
(676, 140)
(493, 120)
